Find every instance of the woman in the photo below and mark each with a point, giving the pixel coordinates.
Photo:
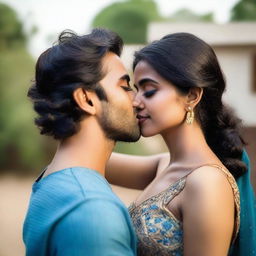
(190, 204)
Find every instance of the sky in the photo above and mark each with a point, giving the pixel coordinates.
(53, 16)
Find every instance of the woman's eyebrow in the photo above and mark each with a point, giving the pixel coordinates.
(144, 81)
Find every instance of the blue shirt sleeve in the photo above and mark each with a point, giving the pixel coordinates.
(96, 227)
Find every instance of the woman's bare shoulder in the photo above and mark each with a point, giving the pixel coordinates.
(207, 207)
(210, 180)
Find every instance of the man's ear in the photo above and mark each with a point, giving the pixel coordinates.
(84, 100)
(194, 96)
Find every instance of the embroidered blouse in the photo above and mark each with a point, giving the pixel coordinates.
(159, 232)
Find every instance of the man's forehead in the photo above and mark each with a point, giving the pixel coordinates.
(113, 70)
(113, 64)
(111, 58)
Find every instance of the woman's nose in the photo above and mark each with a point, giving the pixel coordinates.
(137, 102)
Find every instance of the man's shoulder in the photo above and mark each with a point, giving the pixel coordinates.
(75, 182)
(61, 193)
(97, 227)
(93, 185)
(89, 180)
(70, 188)
(96, 199)
(79, 207)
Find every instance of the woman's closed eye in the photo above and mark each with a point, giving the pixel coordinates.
(149, 93)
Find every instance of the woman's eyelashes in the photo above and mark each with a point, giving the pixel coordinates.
(146, 94)
(149, 93)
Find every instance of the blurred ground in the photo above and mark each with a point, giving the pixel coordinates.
(14, 198)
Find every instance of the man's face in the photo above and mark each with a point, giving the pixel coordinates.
(118, 118)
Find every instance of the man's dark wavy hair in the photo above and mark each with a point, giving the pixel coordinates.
(187, 61)
(74, 62)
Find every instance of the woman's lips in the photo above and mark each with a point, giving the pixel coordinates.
(142, 119)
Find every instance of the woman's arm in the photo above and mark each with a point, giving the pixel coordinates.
(134, 171)
(208, 213)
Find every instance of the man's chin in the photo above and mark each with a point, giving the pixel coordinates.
(128, 137)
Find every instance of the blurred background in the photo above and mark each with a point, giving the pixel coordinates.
(28, 27)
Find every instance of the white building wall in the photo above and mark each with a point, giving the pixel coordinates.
(236, 33)
(236, 64)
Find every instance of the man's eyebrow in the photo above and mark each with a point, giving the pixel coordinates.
(126, 78)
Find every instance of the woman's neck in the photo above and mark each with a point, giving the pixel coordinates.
(187, 144)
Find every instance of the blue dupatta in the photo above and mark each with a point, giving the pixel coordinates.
(245, 244)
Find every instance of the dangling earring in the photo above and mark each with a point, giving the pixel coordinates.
(190, 116)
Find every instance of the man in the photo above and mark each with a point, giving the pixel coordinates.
(83, 99)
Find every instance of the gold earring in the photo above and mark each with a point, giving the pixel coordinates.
(190, 116)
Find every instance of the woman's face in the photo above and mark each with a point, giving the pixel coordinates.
(161, 107)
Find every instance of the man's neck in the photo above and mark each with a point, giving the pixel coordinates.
(88, 148)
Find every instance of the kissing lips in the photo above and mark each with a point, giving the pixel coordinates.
(142, 118)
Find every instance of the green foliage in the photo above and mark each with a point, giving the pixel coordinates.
(19, 137)
(244, 10)
(11, 34)
(186, 15)
(131, 148)
(21, 145)
(129, 19)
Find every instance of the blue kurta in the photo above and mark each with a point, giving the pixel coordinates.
(74, 212)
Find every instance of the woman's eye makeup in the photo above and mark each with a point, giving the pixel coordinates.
(149, 93)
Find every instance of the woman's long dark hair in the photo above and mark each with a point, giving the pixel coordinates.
(187, 61)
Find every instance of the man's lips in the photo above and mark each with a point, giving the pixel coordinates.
(142, 118)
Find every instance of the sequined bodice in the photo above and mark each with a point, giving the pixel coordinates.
(159, 232)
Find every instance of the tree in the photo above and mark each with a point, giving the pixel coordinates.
(21, 144)
(186, 15)
(129, 19)
(244, 10)
(11, 34)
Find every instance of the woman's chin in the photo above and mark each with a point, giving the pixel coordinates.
(146, 134)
